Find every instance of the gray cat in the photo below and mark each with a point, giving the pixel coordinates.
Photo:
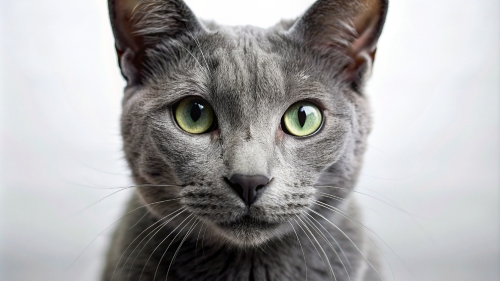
(244, 144)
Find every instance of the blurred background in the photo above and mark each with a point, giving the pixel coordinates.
(430, 184)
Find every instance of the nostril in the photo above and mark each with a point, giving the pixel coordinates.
(247, 186)
(259, 187)
(235, 187)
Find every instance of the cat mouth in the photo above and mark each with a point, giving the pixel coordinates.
(248, 223)
(247, 231)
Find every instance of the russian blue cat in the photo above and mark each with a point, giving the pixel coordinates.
(244, 144)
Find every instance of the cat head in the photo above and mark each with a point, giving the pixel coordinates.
(242, 125)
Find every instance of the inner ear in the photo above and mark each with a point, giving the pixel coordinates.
(121, 12)
(368, 25)
(139, 25)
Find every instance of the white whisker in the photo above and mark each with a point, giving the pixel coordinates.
(159, 244)
(180, 245)
(349, 238)
(325, 260)
(346, 201)
(100, 233)
(137, 237)
(197, 238)
(300, 244)
(327, 241)
(360, 225)
(120, 189)
(152, 235)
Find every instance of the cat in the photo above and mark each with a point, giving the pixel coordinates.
(244, 144)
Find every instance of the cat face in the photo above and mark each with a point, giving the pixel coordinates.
(240, 125)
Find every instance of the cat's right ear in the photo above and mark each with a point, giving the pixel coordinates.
(141, 24)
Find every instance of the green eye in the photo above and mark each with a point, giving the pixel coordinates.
(302, 119)
(194, 115)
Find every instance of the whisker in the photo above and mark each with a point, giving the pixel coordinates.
(86, 208)
(302, 249)
(349, 238)
(137, 237)
(196, 246)
(94, 187)
(328, 242)
(203, 244)
(314, 245)
(156, 231)
(411, 215)
(359, 225)
(100, 186)
(121, 189)
(159, 244)
(334, 240)
(326, 260)
(140, 219)
(100, 233)
(368, 195)
(104, 171)
(316, 229)
(346, 201)
(180, 245)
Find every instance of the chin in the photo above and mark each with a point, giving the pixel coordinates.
(247, 232)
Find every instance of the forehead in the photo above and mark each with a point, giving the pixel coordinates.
(248, 71)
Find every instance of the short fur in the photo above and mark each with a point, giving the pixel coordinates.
(300, 225)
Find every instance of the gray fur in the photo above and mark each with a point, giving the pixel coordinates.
(250, 76)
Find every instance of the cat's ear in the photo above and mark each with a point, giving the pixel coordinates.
(351, 27)
(141, 24)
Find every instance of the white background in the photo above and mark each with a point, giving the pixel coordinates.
(433, 154)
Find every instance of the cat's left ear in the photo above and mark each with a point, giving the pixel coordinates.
(349, 27)
(139, 25)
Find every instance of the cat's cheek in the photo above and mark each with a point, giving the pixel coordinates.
(158, 200)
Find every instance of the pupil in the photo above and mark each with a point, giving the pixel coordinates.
(302, 116)
(196, 111)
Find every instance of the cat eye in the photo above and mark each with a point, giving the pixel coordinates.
(194, 115)
(302, 119)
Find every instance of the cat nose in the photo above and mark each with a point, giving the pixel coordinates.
(247, 186)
